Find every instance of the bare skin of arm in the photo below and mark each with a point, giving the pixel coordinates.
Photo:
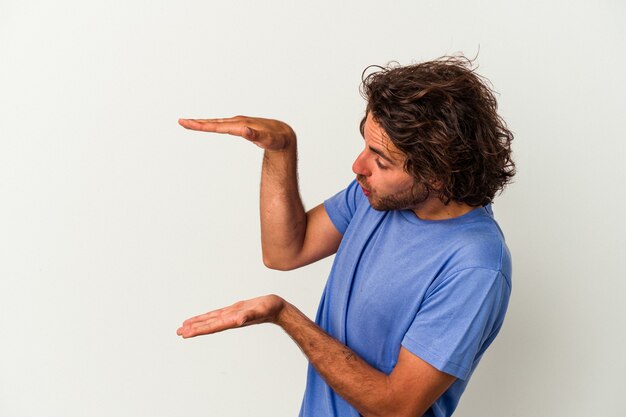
(290, 237)
(409, 390)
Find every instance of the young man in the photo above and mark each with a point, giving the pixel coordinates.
(421, 280)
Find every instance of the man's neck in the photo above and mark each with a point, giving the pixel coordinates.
(434, 209)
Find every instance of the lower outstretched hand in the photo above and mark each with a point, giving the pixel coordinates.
(265, 309)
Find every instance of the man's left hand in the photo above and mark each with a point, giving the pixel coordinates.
(258, 310)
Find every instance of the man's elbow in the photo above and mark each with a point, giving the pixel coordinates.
(390, 403)
(395, 410)
(278, 264)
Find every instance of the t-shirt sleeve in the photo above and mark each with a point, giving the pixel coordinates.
(458, 320)
(342, 206)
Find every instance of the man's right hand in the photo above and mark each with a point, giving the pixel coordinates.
(271, 135)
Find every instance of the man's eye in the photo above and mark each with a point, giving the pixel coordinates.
(379, 165)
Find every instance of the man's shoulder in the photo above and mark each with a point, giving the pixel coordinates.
(471, 241)
(481, 245)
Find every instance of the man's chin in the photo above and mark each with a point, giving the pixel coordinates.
(390, 205)
(378, 205)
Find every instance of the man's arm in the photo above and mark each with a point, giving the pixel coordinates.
(290, 237)
(409, 390)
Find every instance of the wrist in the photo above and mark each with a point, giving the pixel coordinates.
(283, 157)
(285, 314)
(286, 145)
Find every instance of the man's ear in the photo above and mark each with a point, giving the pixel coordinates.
(435, 184)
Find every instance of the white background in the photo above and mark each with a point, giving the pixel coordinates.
(116, 224)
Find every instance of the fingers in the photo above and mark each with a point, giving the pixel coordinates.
(234, 126)
(243, 313)
(239, 120)
(221, 120)
(214, 321)
(217, 126)
(212, 324)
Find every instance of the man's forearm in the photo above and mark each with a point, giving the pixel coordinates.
(283, 219)
(366, 388)
(409, 390)
(363, 386)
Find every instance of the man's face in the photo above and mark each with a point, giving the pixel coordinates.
(380, 172)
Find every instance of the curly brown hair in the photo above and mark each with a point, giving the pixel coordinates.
(443, 117)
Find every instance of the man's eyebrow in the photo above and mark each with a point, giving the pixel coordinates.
(382, 155)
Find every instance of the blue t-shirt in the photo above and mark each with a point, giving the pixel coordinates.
(438, 288)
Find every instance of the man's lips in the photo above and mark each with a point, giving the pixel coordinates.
(365, 190)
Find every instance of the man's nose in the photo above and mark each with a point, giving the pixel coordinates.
(359, 166)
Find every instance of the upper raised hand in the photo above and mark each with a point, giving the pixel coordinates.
(290, 236)
(268, 134)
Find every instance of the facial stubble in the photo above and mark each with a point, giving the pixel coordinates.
(407, 199)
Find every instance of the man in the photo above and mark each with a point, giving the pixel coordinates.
(421, 280)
